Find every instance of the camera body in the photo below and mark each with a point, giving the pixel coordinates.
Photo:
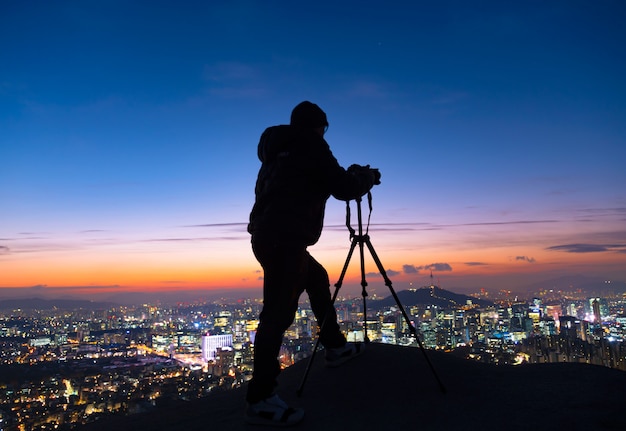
(366, 170)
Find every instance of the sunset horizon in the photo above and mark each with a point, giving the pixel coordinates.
(129, 140)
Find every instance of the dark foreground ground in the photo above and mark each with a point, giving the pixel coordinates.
(392, 387)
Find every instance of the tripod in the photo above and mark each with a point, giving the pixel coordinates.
(363, 240)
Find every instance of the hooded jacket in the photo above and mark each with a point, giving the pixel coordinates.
(297, 176)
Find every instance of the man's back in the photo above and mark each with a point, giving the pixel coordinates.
(296, 178)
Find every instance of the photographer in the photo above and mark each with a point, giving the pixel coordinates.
(297, 176)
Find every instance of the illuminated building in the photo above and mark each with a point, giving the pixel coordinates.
(210, 344)
(224, 360)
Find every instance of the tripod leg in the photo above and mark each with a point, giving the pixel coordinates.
(382, 271)
(332, 304)
(364, 288)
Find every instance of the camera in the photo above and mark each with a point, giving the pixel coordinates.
(366, 170)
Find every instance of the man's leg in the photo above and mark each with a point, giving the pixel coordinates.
(318, 289)
(284, 266)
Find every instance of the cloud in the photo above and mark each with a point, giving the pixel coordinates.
(244, 225)
(426, 226)
(4, 250)
(230, 71)
(504, 223)
(45, 287)
(368, 89)
(194, 239)
(450, 98)
(439, 267)
(475, 263)
(392, 273)
(235, 80)
(525, 259)
(589, 248)
(175, 239)
(388, 227)
(410, 269)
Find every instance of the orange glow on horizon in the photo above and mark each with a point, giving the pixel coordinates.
(236, 267)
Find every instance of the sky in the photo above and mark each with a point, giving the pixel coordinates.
(128, 134)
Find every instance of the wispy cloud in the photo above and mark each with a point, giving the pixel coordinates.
(30, 242)
(389, 272)
(525, 259)
(229, 71)
(176, 239)
(423, 226)
(412, 269)
(450, 98)
(589, 248)
(234, 80)
(514, 222)
(41, 288)
(387, 227)
(476, 263)
(90, 287)
(368, 89)
(210, 225)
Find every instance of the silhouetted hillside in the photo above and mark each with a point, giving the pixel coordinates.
(50, 304)
(391, 387)
(583, 283)
(431, 295)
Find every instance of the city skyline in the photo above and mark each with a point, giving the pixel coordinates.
(71, 364)
(129, 134)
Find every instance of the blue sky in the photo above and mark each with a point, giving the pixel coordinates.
(129, 134)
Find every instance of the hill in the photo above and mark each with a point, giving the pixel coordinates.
(392, 387)
(430, 295)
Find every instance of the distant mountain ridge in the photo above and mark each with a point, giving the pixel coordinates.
(50, 304)
(584, 283)
(431, 295)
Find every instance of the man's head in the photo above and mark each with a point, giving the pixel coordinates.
(307, 115)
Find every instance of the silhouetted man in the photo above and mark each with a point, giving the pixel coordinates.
(297, 176)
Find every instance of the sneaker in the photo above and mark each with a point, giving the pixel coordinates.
(339, 355)
(273, 411)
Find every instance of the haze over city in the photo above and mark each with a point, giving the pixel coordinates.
(129, 131)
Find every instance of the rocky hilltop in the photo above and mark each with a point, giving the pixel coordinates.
(392, 387)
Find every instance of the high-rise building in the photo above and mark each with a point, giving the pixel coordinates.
(595, 307)
(210, 344)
